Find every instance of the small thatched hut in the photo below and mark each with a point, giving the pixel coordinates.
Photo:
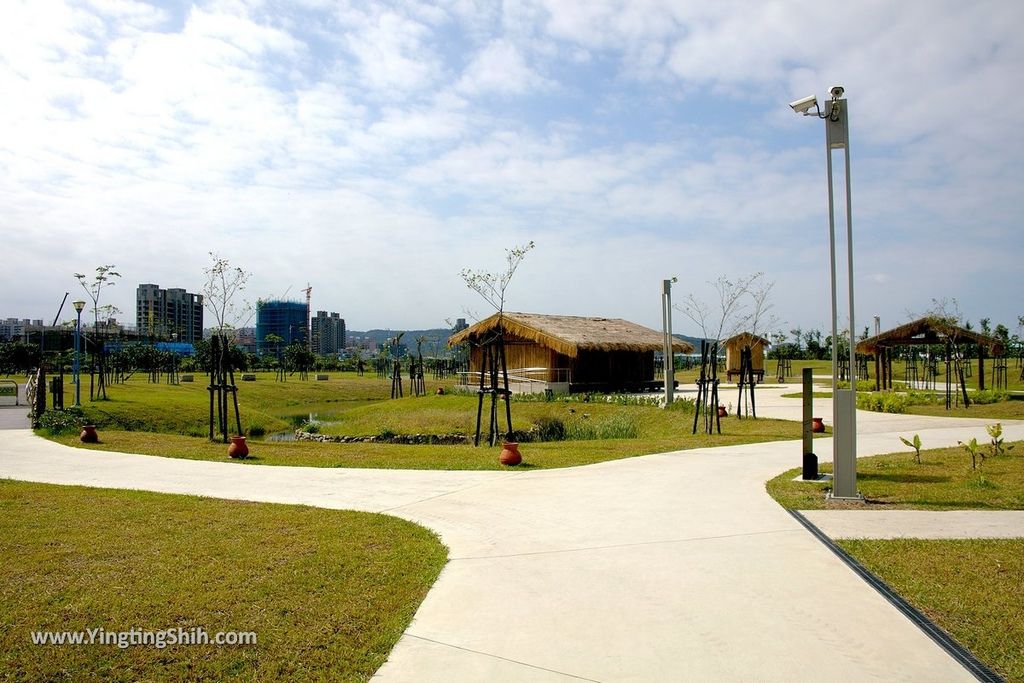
(927, 331)
(571, 353)
(734, 347)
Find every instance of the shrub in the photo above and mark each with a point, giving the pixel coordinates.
(616, 427)
(550, 429)
(255, 430)
(685, 405)
(989, 396)
(311, 427)
(863, 385)
(64, 421)
(883, 402)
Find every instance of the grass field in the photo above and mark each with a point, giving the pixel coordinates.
(971, 588)
(328, 593)
(943, 481)
(462, 457)
(161, 419)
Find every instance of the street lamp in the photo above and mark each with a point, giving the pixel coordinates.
(670, 359)
(79, 305)
(844, 402)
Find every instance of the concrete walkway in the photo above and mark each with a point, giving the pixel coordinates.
(918, 523)
(666, 567)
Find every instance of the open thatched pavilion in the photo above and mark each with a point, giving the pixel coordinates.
(734, 347)
(926, 332)
(571, 353)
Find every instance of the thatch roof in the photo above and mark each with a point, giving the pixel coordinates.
(746, 339)
(928, 330)
(570, 334)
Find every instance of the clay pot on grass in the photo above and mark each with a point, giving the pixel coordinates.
(238, 448)
(89, 434)
(817, 426)
(510, 455)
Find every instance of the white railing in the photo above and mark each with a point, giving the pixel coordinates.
(524, 380)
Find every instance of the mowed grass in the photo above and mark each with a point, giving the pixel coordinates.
(160, 419)
(138, 405)
(943, 481)
(549, 454)
(328, 593)
(971, 588)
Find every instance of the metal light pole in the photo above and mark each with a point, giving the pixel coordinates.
(670, 359)
(844, 401)
(79, 305)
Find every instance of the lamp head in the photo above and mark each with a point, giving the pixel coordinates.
(79, 305)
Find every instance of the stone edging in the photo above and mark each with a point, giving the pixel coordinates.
(440, 439)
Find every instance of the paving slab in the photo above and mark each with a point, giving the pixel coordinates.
(927, 524)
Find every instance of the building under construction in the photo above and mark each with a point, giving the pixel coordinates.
(286, 320)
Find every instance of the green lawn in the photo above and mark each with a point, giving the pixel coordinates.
(160, 419)
(971, 588)
(458, 457)
(943, 481)
(328, 593)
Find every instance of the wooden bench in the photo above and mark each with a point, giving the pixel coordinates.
(758, 375)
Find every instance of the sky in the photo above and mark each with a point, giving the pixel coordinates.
(376, 149)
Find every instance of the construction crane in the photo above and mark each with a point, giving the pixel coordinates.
(309, 336)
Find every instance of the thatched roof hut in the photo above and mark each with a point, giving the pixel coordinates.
(927, 331)
(734, 347)
(573, 352)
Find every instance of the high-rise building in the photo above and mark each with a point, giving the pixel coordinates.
(160, 314)
(328, 333)
(284, 319)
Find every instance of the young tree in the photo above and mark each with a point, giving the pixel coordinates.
(221, 296)
(491, 288)
(103, 278)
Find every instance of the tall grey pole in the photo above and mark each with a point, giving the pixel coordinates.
(78, 362)
(669, 363)
(844, 401)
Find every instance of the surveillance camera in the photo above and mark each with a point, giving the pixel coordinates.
(805, 105)
(837, 91)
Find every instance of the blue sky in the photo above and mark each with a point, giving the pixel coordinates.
(374, 150)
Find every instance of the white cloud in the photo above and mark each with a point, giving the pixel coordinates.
(375, 149)
(500, 68)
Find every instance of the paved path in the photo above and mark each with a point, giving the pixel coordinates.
(675, 566)
(918, 523)
(15, 417)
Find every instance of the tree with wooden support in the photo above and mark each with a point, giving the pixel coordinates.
(494, 370)
(104, 278)
(221, 292)
(726, 318)
(396, 367)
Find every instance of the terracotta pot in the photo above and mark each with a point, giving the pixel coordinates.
(238, 447)
(89, 434)
(510, 454)
(722, 412)
(817, 426)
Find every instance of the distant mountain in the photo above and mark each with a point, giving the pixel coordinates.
(438, 334)
(695, 341)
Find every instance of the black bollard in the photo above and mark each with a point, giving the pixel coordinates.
(810, 467)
